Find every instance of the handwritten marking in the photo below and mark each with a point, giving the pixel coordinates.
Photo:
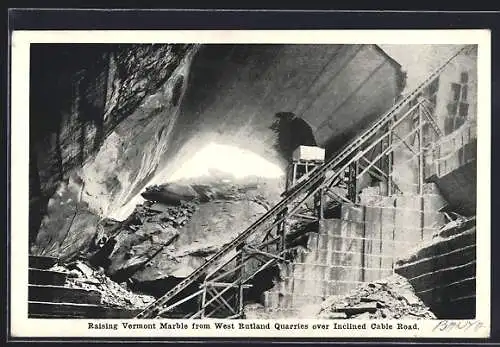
(446, 325)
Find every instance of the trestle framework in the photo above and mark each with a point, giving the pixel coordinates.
(223, 280)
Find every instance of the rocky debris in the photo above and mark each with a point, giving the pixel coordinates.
(455, 227)
(212, 225)
(155, 212)
(170, 193)
(389, 298)
(453, 235)
(82, 275)
(171, 238)
(130, 250)
(109, 124)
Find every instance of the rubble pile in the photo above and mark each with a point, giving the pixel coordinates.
(173, 203)
(389, 298)
(177, 228)
(455, 227)
(81, 275)
(173, 216)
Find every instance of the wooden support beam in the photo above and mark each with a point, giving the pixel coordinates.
(187, 298)
(231, 271)
(224, 284)
(304, 217)
(430, 118)
(237, 315)
(390, 149)
(259, 270)
(223, 301)
(269, 255)
(406, 143)
(203, 300)
(371, 172)
(214, 271)
(375, 167)
(270, 242)
(212, 300)
(214, 310)
(335, 196)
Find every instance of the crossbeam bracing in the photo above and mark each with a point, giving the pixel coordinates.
(297, 196)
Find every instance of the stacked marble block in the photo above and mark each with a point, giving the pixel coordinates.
(452, 151)
(359, 247)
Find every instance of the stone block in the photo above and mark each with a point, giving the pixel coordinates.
(407, 219)
(322, 257)
(288, 285)
(298, 271)
(309, 153)
(346, 258)
(433, 202)
(408, 202)
(370, 275)
(49, 309)
(286, 270)
(330, 226)
(348, 244)
(323, 241)
(352, 212)
(312, 242)
(431, 188)
(298, 285)
(271, 299)
(458, 257)
(466, 238)
(47, 277)
(41, 262)
(388, 247)
(445, 294)
(434, 219)
(59, 294)
(356, 229)
(371, 255)
(322, 272)
(342, 288)
(443, 276)
(388, 262)
(341, 273)
(312, 288)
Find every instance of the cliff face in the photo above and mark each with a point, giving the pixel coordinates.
(100, 119)
(106, 118)
(235, 93)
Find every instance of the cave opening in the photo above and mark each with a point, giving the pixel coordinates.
(216, 158)
(215, 161)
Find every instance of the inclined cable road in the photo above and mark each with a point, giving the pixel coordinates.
(305, 187)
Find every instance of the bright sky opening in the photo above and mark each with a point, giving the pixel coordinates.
(235, 161)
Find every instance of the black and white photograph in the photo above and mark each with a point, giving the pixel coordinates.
(251, 186)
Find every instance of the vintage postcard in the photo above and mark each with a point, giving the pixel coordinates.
(249, 184)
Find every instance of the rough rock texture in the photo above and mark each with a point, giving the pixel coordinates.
(390, 298)
(105, 118)
(81, 275)
(101, 136)
(443, 270)
(166, 240)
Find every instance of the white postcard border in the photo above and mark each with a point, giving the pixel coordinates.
(21, 326)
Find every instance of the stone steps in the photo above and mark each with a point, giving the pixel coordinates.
(41, 262)
(49, 298)
(40, 309)
(46, 277)
(59, 294)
